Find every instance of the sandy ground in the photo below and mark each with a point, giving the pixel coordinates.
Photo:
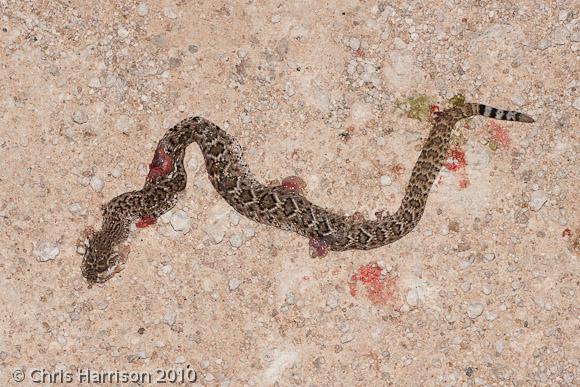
(483, 292)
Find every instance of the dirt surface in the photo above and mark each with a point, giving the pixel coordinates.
(483, 292)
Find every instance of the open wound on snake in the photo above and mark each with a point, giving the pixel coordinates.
(161, 164)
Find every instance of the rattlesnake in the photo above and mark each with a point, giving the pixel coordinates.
(277, 206)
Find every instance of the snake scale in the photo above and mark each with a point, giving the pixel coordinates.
(272, 205)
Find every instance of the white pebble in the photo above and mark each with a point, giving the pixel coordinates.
(332, 301)
(233, 284)
(516, 284)
(347, 337)
(180, 221)
(116, 172)
(45, 251)
(96, 184)
(80, 117)
(169, 13)
(354, 44)
(499, 346)
(489, 257)
(170, 317)
(192, 164)
(94, 82)
(475, 310)
(122, 32)
(486, 290)
(490, 316)
(563, 15)
(386, 180)
(412, 297)
(276, 18)
(242, 53)
(518, 100)
(180, 359)
(236, 240)
(576, 103)
(466, 286)
(537, 200)
(249, 232)
(142, 9)
(234, 218)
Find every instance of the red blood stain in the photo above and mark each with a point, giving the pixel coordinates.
(293, 184)
(500, 135)
(317, 248)
(567, 232)
(434, 110)
(145, 221)
(455, 160)
(161, 164)
(360, 53)
(464, 182)
(379, 289)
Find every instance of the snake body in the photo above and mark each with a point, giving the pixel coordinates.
(272, 205)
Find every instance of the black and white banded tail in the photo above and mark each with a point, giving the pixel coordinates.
(498, 114)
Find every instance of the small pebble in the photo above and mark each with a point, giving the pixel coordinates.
(475, 310)
(518, 100)
(234, 218)
(412, 297)
(169, 13)
(466, 286)
(236, 240)
(516, 284)
(94, 83)
(180, 221)
(80, 117)
(116, 172)
(233, 284)
(537, 200)
(386, 180)
(499, 346)
(332, 301)
(142, 9)
(576, 103)
(45, 251)
(354, 44)
(490, 316)
(96, 184)
(180, 359)
(347, 337)
(122, 32)
(489, 257)
(275, 19)
(169, 317)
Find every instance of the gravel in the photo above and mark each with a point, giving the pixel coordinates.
(180, 221)
(96, 184)
(236, 240)
(386, 180)
(233, 284)
(475, 310)
(45, 251)
(170, 316)
(537, 200)
(80, 117)
(142, 9)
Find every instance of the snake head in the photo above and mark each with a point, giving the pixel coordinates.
(100, 260)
